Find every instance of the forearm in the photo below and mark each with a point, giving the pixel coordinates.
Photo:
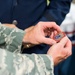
(11, 38)
(19, 64)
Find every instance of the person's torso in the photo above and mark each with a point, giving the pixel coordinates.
(26, 12)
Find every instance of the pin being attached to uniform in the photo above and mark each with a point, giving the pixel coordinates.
(56, 37)
(59, 36)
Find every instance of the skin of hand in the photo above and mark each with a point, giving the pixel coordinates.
(60, 51)
(29, 28)
(10, 25)
(36, 34)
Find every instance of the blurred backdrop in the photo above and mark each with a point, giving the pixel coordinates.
(73, 1)
(67, 67)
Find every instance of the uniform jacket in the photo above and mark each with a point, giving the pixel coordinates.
(12, 62)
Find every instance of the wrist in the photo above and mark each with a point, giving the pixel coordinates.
(53, 56)
(26, 43)
(25, 38)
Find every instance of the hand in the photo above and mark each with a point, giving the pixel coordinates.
(28, 29)
(61, 50)
(36, 34)
(10, 25)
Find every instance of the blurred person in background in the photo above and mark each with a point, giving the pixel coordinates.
(68, 26)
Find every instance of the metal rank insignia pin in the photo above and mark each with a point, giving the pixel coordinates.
(59, 36)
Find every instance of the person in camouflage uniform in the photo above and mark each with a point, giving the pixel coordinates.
(12, 62)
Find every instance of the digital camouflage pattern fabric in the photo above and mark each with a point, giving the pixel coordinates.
(12, 62)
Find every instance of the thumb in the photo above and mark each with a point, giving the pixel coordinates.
(63, 41)
(48, 41)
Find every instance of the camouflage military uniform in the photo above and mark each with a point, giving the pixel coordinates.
(12, 62)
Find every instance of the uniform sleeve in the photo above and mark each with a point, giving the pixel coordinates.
(56, 11)
(25, 64)
(11, 38)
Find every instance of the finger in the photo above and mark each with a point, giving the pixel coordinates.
(55, 32)
(63, 41)
(68, 47)
(69, 44)
(51, 36)
(48, 41)
(52, 24)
